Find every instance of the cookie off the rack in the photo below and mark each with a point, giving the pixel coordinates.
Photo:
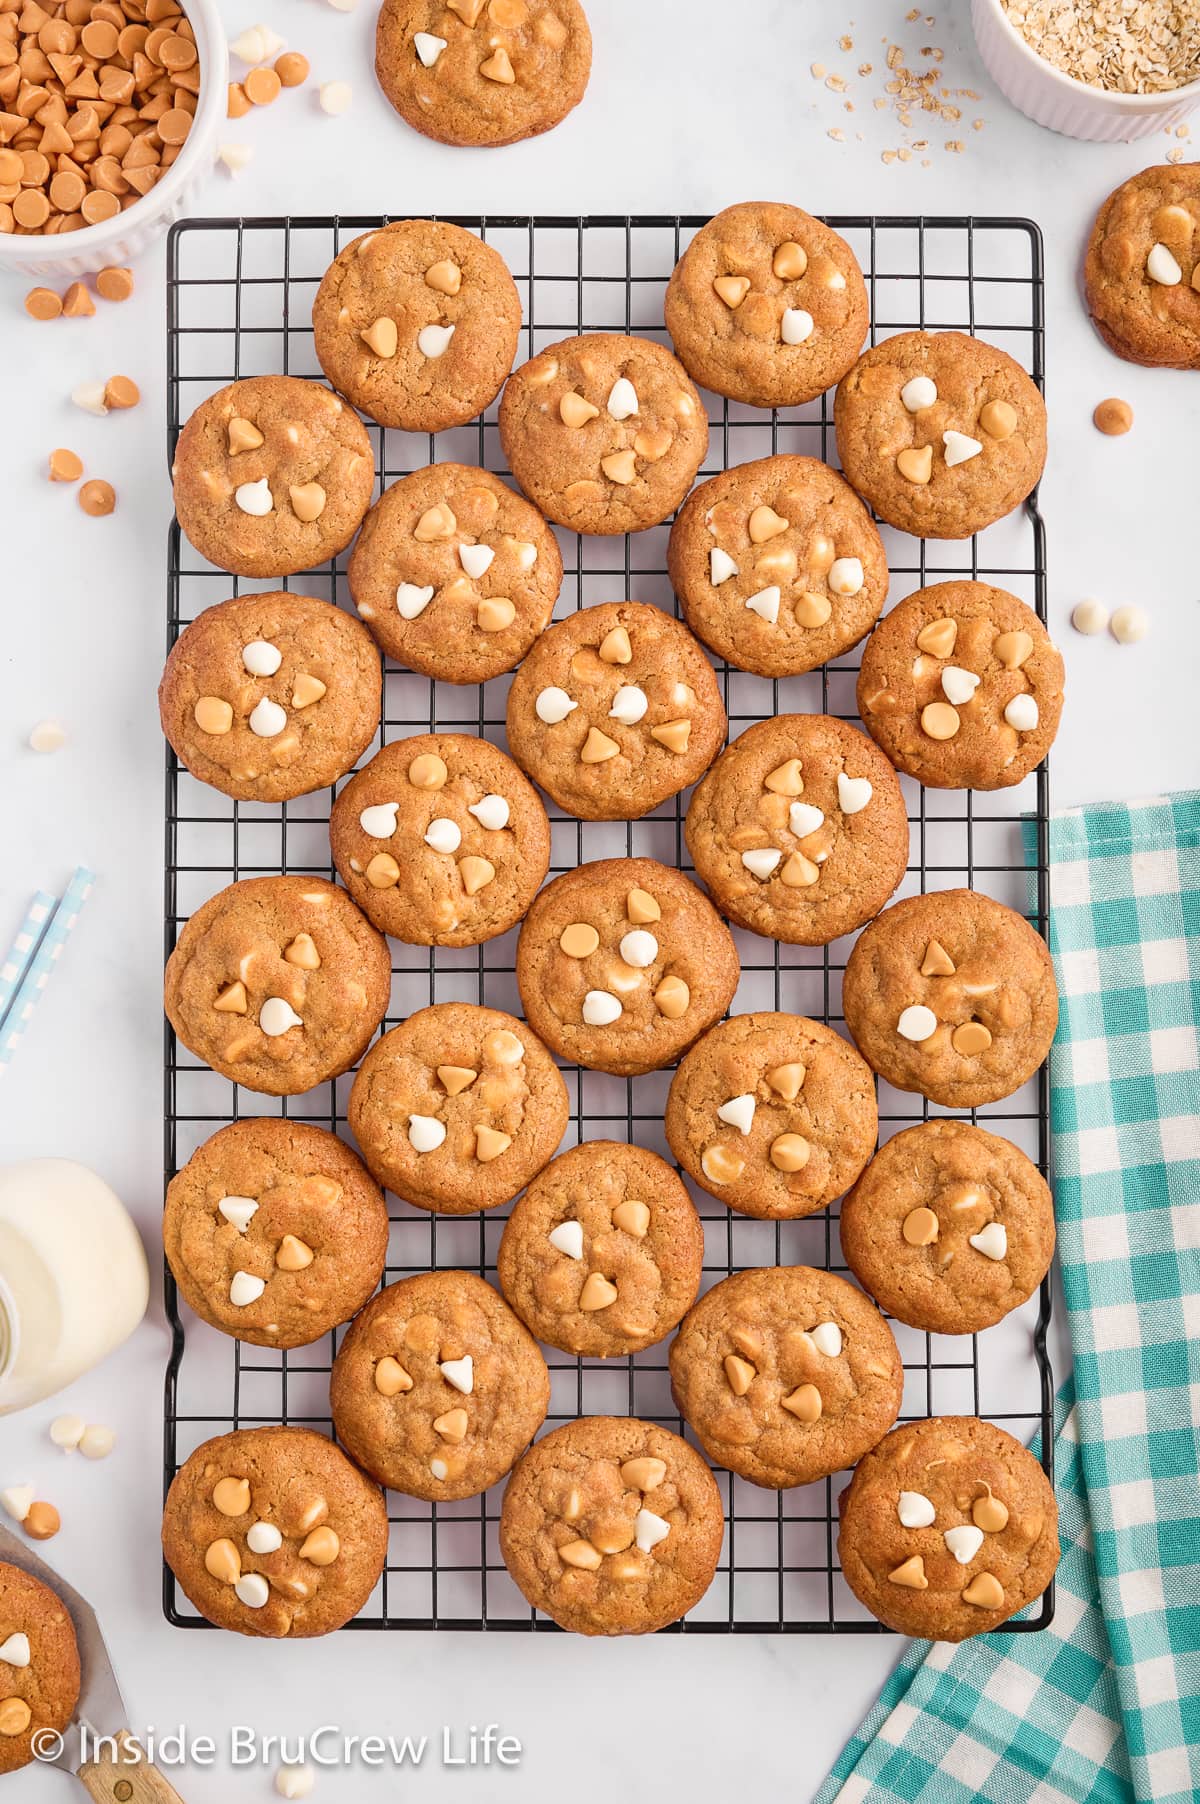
(1142, 269)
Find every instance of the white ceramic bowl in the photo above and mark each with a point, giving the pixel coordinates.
(1048, 97)
(128, 234)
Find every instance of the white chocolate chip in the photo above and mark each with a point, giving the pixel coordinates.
(738, 1112)
(411, 600)
(804, 819)
(17, 1501)
(90, 396)
(915, 1510)
(263, 1537)
(443, 835)
(253, 1590)
(958, 685)
(553, 705)
(600, 1009)
(649, 1530)
(334, 97)
(268, 718)
(622, 401)
(796, 326)
(918, 392)
(567, 1238)
(845, 576)
(428, 47)
(853, 793)
(379, 821)
(425, 1133)
(47, 736)
(490, 811)
(991, 1241)
(720, 566)
(298, 1781)
(245, 1288)
(639, 948)
(251, 46)
(1128, 625)
(98, 1441)
(15, 1651)
(526, 554)
(1089, 616)
(629, 704)
(235, 157)
(760, 861)
(826, 1337)
(261, 658)
(254, 497)
(1022, 713)
(960, 448)
(916, 1022)
(66, 1432)
(963, 1542)
(765, 604)
(439, 1468)
(476, 560)
(433, 340)
(460, 1373)
(1161, 267)
(276, 1016)
(238, 1211)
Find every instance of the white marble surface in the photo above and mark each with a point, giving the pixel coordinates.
(692, 106)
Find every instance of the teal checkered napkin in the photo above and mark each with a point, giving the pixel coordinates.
(1105, 1704)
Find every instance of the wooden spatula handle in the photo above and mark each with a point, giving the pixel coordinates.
(127, 1779)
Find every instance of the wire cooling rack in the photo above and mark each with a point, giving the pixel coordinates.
(239, 302)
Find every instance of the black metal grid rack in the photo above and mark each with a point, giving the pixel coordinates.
(239, 300)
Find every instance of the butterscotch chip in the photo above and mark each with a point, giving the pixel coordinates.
(31, 209)
(1003, 977)
(298, 1481)
(1144, 303)
(908, 1224)
(43, 1694)
(100, 205)
(883, 410)
(314, 1197)
(234, 504)
(121, 392)
(174, 125)
(638, 389)
(668, 684)
(398, 1104)
(456, 80)
(97, 497)
(465, 1351)
(983, 647)
(777, 1433)
(579, 939)
(65, 466)
(266, 648)
(241, 934)
(262, 86)
(43, 303)
(948, 1462)
(238, 102)
(750, 1062)
(292, 68)
(1113, 417)
(114, 283)
(797, 330)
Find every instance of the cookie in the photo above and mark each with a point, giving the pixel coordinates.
(602, 1255)
(272, 1531)
(275, 1232)
(458, 1108)
(455, 574)
(437, 1388)
(948, 1528)
(941, 433)
(39, 1665)
(272, 475)
(799, 830)
(483, 72)
(952, 995)
(767, 305)
(440, 840)
(621, 964)
(962, 687)
(417, 324)
(774, 1114)
(612, 1526)
(615, 710)
(949, 1228)
(271, 696)
(278, 983)
(777, 565)
(786, 1374)
(604, 433)
(1142, 270)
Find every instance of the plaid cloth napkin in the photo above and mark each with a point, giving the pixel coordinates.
(1105, 1704)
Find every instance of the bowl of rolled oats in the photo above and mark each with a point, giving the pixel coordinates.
(1108, 70)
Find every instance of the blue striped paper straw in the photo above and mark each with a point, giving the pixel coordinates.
(41, 966)
(24, 946)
